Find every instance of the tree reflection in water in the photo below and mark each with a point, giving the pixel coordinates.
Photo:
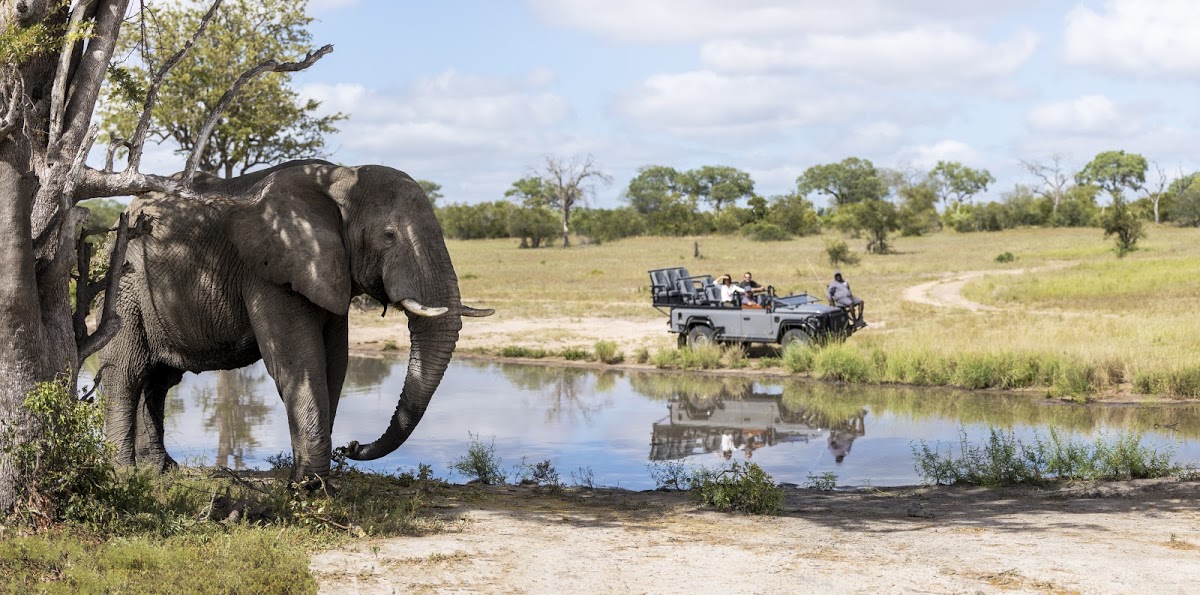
(233, 411)
(367, 372)
(567, 390)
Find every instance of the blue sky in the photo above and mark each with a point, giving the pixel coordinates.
(474, 94)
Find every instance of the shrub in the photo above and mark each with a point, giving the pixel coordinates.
(825, 482)
(671, 475)
(390, 345)
(739, 487)
(518, 351)
(541, 475)
(798, 359)
(576, 354)
(481, 463)
(1005, 257)
(642, 355)
(762, 231)
(606, 351)
(839, 253)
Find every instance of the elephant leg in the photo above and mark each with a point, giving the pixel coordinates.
(289, 330)
(150, 415)
(337, 344)
(124, 364)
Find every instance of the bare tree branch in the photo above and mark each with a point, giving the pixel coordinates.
(113, 145)
(110, 321)
(58, 93)
(193, 159)
(14, 114)
(138, 140)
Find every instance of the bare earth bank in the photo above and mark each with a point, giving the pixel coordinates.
(1129, 537)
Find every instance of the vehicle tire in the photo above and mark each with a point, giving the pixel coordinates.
(794, 336)
(700, 335)
(681, 340)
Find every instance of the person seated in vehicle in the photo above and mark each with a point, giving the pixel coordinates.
(755, 293)
(731, 295)
(840, 295)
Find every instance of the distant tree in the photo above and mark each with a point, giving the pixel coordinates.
(652, 189)
(1055, 180)
(1186, 189)
(718, 185)
(850, 181)
(104, 213)
(918, 209)
(1116, 172)
(877, 218)
(759, 207)
(794, 214)
(530, 191)
(567, 184)
(957, 183)
(265, 124)
(533, 224)
(1157, 190)
(606, 225)
(432, 189)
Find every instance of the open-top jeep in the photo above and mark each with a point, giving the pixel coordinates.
(697, 316)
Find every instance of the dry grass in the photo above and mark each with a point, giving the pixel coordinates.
(1127, 319)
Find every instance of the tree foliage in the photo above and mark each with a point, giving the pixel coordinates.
(432, 189)
(1116, 172)
(849, 181)
(266, 124)
(957, 183)
(717, 185)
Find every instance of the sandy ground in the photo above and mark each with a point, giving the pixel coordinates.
(1131, 537)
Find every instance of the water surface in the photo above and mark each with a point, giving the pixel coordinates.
(613, 424)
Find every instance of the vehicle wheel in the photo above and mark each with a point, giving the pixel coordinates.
(681, 340)
(700, 335)
(794, 336)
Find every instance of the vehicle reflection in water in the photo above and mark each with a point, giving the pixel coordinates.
(722, 422)
(615, 423)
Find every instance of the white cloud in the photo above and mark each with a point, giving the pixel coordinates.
(704, 104)
(1136, 37)
(1089, 114)
(922, 53)
(665, 21)
(927, 156)
(318, 6)
(500, 126)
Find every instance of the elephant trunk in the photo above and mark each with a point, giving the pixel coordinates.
(433, 341)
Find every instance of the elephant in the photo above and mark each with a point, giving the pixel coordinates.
(266, 270)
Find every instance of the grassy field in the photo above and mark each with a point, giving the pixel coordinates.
(1086, 320)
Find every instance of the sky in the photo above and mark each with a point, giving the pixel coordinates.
(474, 95)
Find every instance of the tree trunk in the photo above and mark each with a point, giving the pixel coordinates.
(566, 216)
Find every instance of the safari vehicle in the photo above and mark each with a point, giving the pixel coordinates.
(693, 306)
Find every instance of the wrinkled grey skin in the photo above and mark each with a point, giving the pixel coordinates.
(269, 274)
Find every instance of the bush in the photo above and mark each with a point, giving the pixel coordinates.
(762, 231)
(543, 476)
(1006, 460)
(839, 253)
(606, 351)
(68, 463)
(481, 463)
(1005, 258)
(739, 487)
(518, 351)
(841, 362)
(576, 354)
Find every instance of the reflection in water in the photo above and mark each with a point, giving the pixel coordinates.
(568, 396)
(233, 410)
(720, 420)
(604, 420)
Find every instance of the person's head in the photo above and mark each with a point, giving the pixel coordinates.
(724, 280)
(747, 276)
(837, 275)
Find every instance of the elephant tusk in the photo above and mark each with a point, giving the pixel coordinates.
(416, 308)
(476, 312)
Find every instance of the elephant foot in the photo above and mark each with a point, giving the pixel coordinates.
(160, 462)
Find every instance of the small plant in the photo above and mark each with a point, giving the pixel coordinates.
(770, 362)
(642, 355)
(576, 354)
(281, 461)
(741, 487)
(584, 478)
(481, 463)
(825, 482)
(670, 475)
(390, 345)
(839, 253)
(518, 351)
(541, 475)
(1005, 257)
(606, 351)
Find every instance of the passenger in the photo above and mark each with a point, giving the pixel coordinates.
(730, 294)
(840, 295)
(754, 292)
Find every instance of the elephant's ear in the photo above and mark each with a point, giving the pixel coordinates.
(292, 235)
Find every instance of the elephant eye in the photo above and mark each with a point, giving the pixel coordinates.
(389, 235)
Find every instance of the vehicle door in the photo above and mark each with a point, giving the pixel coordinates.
(756, 325)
